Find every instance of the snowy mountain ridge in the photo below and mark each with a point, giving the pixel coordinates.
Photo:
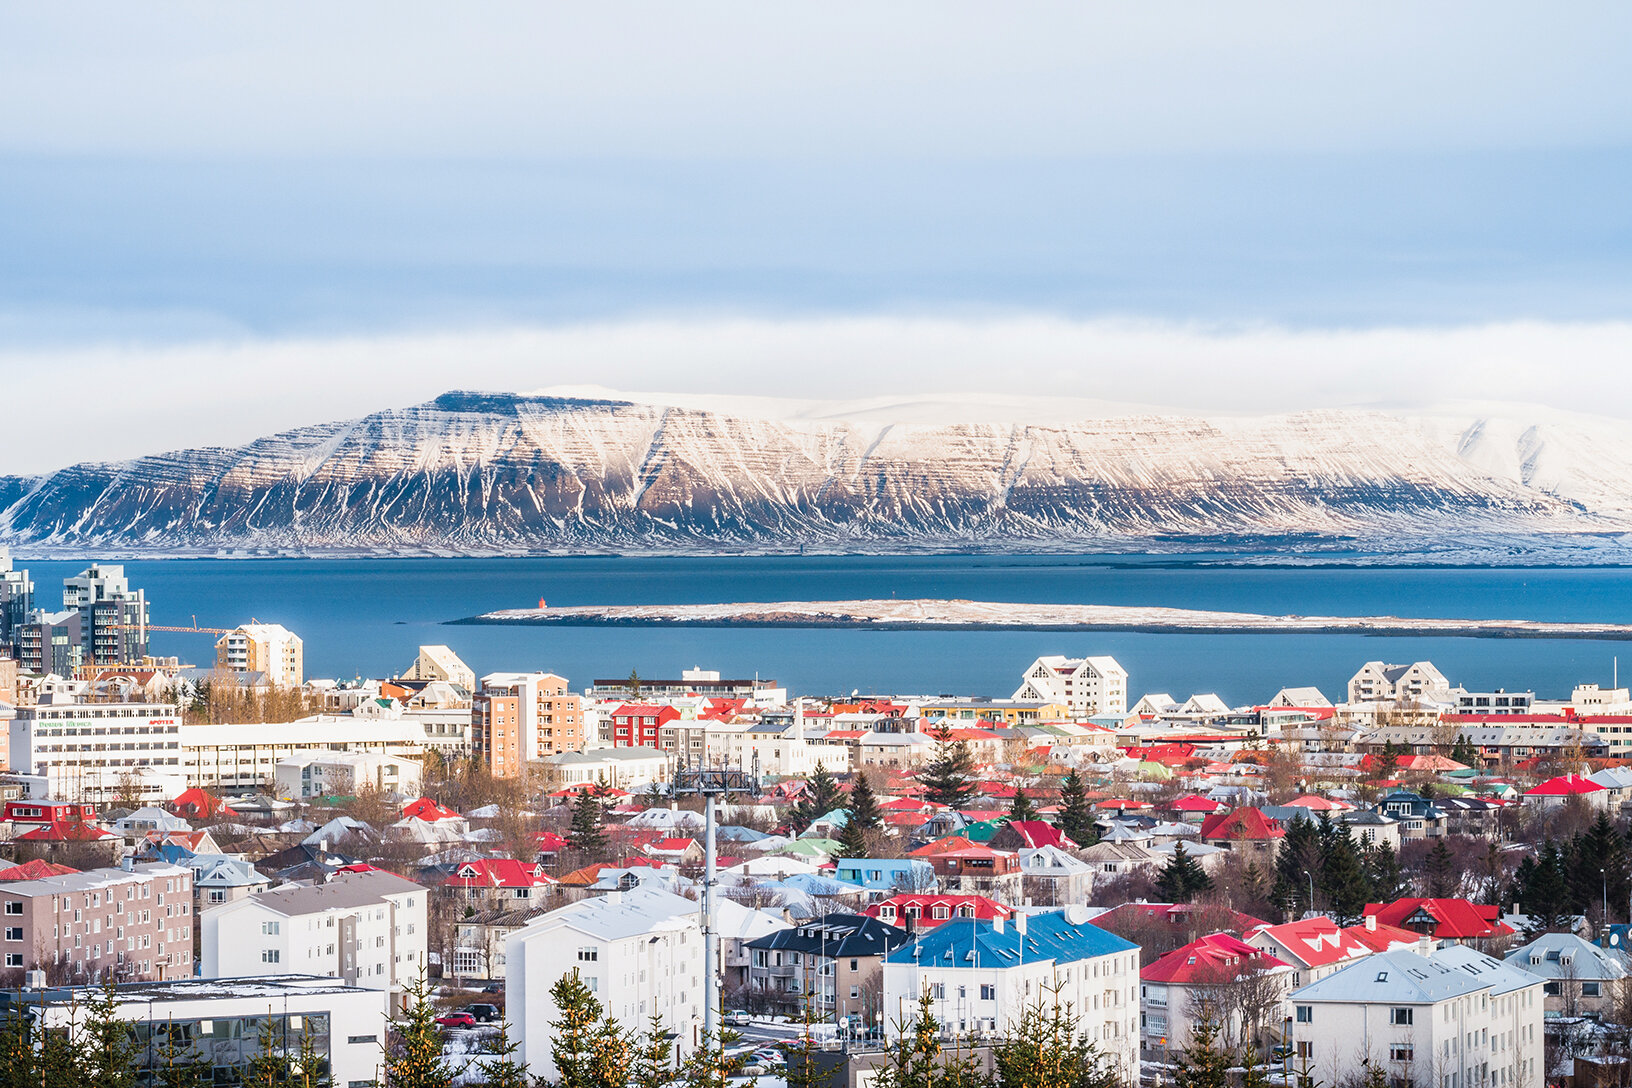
(550, 473)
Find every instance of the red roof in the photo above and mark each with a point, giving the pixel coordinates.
(1036, 833)
(428, 810)
(1241, 825)
(1196, 803)
(1174, 914)
(942, 845)
(497, 873)
(1443, 919)
(200, 803)
(582, 787)
(1565, 785)
(1314, 942)
(671, 846)
(1121, 804)
(550, 842)
(1208, 959)
(1315, 803)
(38, 869)
(67, 831)
(1382, 938)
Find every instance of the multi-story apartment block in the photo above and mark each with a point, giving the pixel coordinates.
(345, 774)
(519, 718)
(126, 924)
(1087, 687)
(1456, 1019)
(92, 751)
(831, 966)
(269, 648)
(639, 725)
(1420, 682)
(440, 663)
(16, 597)
(981, 975)
(1496, 703)
(112, 616)
(368, 928)
(244, 758)
(639, 951)
(48, 643)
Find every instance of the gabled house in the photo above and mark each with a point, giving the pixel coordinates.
(1567, 787)
(886, 874)
(1418, 817)
(200, 804)
(499, 883)
(833, 963)
(1314, 947)
(1196, 980)
(1579, 978)
(220, 879)
(1246, 830)
(913, 912)
(1445, 920)
(1028, 835)
(1054, 878)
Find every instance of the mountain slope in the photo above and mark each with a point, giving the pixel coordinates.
(472, 472)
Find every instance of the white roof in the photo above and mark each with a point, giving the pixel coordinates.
(1398, 978)
(633, 913)
(1501, 977)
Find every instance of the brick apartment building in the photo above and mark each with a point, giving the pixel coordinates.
(131, 924)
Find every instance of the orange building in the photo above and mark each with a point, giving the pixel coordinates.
(517, 718)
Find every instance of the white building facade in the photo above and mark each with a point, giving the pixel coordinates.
(1088, 687)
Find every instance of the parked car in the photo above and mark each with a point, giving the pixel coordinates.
(738, 1020)
(485, 1013)
(493, 988)
(456, 1020)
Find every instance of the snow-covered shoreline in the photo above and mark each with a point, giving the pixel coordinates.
(920, 614)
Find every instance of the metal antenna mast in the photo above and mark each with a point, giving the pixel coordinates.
(712, 785)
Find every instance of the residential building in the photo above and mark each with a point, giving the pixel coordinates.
(344, 774)
(269, 648)
(691, 682)
(1198, 981)
(112, 616)
(830, 966)
(1445, 920)
(620, 768)
(499, 883)
(16, 598)
(244, 758)
(128, 923)
(49, 643)
(640, 952)
(637, 725)
(1456, 1019)
(1312, 947)
(1051, 877)
(518, 718)
(479, 939)
(219, 1022)
(981, 976)
(1087, 686)
(913, 911)
(1496, 703)
(1245, 830)
(978, 870)
(219, 879)
(886, 874)
(1567, 789)
(1579, 978)
(1404, 684)
(1417, 817)
(368, 928)
(441, 663)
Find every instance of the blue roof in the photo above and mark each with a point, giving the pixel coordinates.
(976, 943)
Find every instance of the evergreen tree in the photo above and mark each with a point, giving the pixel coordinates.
(713, 1063)
(1439, 876)
(504, 1069)
(177, 1061)
(309, 1069)
(1465, 753)
(21, 1065)
(1048, 1049)
(1342, 879)
(1388, 761)
(651, 1063)
(1076, 817)
(1203, 1064)
(107, 1046)
(1383, 871)
(917, 1060)
(413, 1054)
(634, 684)
(949, 776)
(863, 810)
(822, 795)
(1597, 868)
(589, 1049)
(1298, 857)
(852, 842)
(1545, 892)
(1020, 808)
(269, 1066)
(585, 837)
(1183, 878)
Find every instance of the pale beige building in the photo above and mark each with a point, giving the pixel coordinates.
(270, 648)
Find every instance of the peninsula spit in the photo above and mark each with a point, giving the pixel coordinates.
(962, 615)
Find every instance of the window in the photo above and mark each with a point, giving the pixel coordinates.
(270, 955)
(270, 928)
(14, 959)
(14, 906)
(937, 990)
(1400, 1053)
(855, 965)
(988, 992)
(15, 933)
(1551, 989)
(1399, 1016)
(362, 1039)
(1306, 1014)
(588, 953)
(1306, 1049)
(1589, 989)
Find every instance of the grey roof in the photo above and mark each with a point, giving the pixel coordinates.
(1502, 977)
(1400, 978)
(343, 891)
(1544, 957)
(598, 755)
(632, 913)
(92, 879)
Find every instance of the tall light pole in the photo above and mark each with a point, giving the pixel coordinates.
(711, 785)
(1311, 877)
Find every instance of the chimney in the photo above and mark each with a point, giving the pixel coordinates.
(997, 924)
(128, 863)
(1371, 923)
(615, 896)
(1020, 922)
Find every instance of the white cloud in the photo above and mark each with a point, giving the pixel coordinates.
(123, 400)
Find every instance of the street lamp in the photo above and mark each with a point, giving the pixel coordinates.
(1604, 874)
(1311, 877)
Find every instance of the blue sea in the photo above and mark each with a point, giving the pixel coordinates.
(366, 618)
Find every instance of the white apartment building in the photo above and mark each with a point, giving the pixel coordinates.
(1088, 687)
(1456, 1019)
(83, 750)
(441, 663)
(344, 774)
(982, 974)
(775, 750)
(1377, 682)
(240, 758)
(345, 1024)
(367, 928)
(622, 768)
(639, 951)
(269, 648)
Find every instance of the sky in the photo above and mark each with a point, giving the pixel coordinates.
(217, 221)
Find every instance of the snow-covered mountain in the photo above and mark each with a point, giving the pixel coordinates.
(502, 473)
